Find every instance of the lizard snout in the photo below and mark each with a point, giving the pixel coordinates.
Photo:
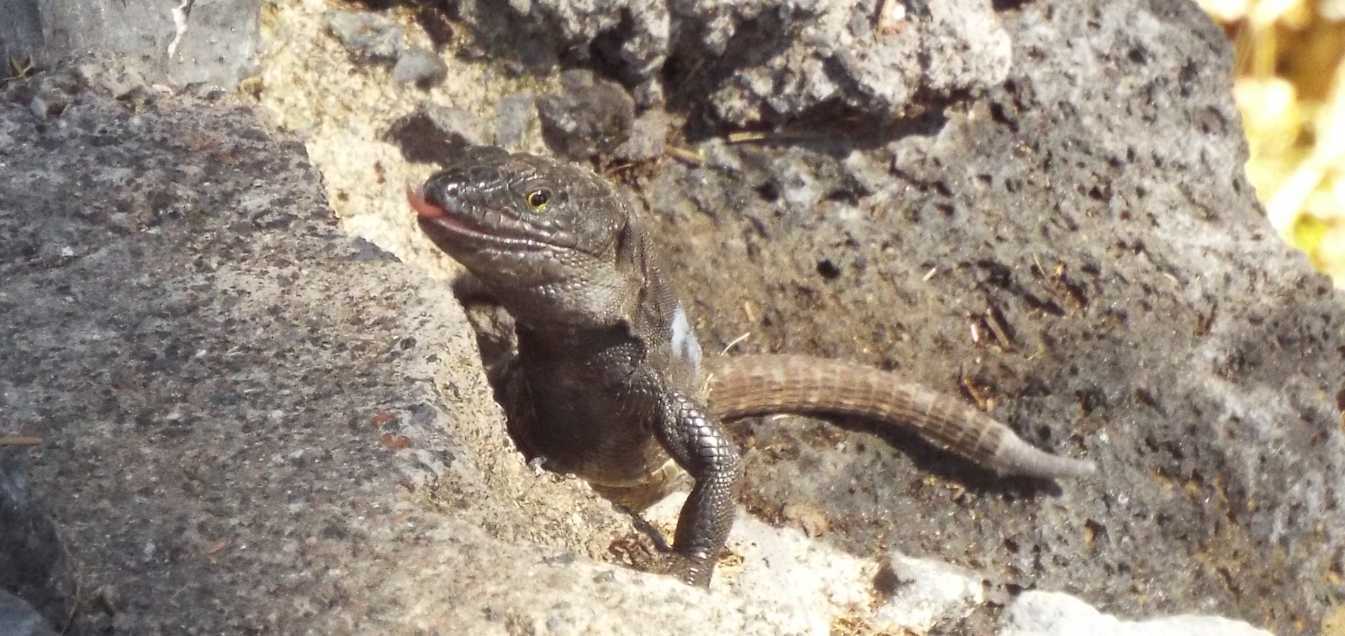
(415, 196)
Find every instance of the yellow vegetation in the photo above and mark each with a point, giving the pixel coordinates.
(1290, 87)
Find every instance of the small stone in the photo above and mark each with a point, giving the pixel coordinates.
(589, 116)
(206, 91)
(516, 122)
(53, 93)
(118, 81)
(868, 171)
(367, 251)
(109, 599)
(828, 269)
(367, 36)
(918, 594)
(648, 138)
(47, 106)
(811, 519)
(420, 66)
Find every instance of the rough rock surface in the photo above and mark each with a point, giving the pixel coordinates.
(586, 117)
(367, 36)
(1077, 248)
(420, 67)
(243, 405)
(1052, 614)
(285, 427)
(1080, 249)
(183, 42)
(33, 562)
(18, 618)
(762, 61)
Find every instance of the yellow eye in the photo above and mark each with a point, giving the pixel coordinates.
(538, 199)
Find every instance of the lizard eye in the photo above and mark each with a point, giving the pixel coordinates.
(537, 199)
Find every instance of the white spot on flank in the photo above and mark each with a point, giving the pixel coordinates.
(684, 343)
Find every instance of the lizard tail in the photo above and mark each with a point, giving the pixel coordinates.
(765, 384)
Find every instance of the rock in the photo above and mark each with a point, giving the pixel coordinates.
(113, 77)
(810, 519)
(648, 137)
(920, 594)
(996, 213)
(340, 451)
(419, 66)
(587, 117)
(367, 36)
(435, 133)
(632, 37)
(46, 105)
(182, 43)
(517, 125)
(18, 618)
(1038, 613)
(769, 61)
(789, 58)
(33, 559)
(230, 501)
(246, 409)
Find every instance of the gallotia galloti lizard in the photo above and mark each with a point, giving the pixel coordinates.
(609, 381)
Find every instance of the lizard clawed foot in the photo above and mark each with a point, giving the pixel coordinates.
(691, 570)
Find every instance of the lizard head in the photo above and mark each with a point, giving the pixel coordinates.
(552, 241)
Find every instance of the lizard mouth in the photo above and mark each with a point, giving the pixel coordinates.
(447, 224)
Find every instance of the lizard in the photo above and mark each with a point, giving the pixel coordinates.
(608, 381)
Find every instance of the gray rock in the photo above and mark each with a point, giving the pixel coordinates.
(517, 124)
(782, 59)
(240, 406)
(434, 133)
(18, 618)
(772, 61)
(366, 35)
(178, 42)
(1038, 613)
(33, 560)
(648, 137)
(419, 66)
(292, 433)
(924, 593)
(172, 307)
(587, 117)
(1093, 208)
(112, 77)
(630, 36)
(45, 105)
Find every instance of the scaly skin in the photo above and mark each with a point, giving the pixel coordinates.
(608, 381)
(763, 384)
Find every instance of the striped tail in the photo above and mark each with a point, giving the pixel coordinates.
(765, 384)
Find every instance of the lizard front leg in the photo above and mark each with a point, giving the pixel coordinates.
(695, 441)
